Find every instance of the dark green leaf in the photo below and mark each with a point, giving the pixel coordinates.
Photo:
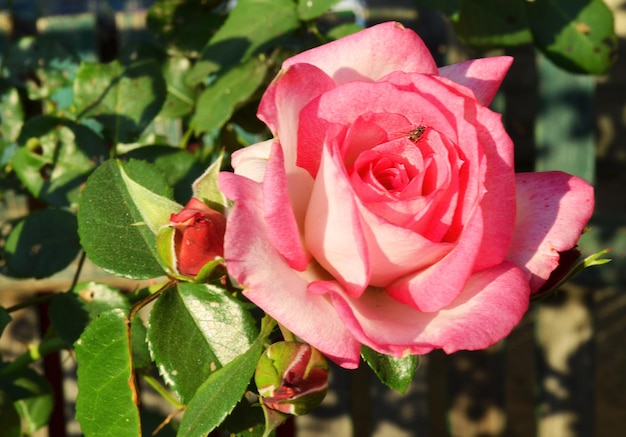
(493, 23)
(577, 35)
(32, 396)
(111, 226)
(219, 394)
(9, 418)
(5, 319)
(124, 98)
(450, 8)
(218, 102)
(71, 312)
(42, 243)
(252, 27)
(104, 405)
(395, 373)
(55, 157)
(310, 9)
(194, 330)
(184, 25)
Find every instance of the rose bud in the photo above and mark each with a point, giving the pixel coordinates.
(198, 236)
(291, 377)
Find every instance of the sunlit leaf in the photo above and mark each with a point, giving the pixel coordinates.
(244, 35)
(124, 98)
(577, 35)
(194, 330)
(218, 102)
(219, 394)
(309, 9)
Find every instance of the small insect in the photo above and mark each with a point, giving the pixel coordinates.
(417, 133)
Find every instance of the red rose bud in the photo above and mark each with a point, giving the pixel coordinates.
(199, 236)
(291, 377)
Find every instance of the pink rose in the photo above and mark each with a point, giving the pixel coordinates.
(386, 210)
(199, 236)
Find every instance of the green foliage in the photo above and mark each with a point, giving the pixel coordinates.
(396, 373)
(577, 35)
(105, 404)
(104, 153)
(209, 325)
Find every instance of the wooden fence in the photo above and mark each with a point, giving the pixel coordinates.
(561, 372)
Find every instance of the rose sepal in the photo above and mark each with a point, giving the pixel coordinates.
(206, 188)
(155, 210)
(560, 277)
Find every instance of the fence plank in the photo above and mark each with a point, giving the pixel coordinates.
(565, 141)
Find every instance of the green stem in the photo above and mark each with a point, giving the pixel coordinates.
(156, 385)
(35, 352)
(30, 302)
(185, 139)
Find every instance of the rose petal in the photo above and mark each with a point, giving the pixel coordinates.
(271, 284)
(280, 108)
(483, 76)
(282, 228)
(552, 210)
(333, 228)
(370, 54)
(251, 161)
(491, 304)
(438, 285)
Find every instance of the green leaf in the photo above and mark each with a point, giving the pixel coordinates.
(310, 9)
(219, 394)
(194, 330)
(111, 226)
(43, 58)
(124, 98)
(395, 373)
(104, 405)
(181, 97)
(9, 418)
(32, 396)
(206, 188)
(71, 312)
(343, 30)
(493, 23)
(42, 243)
(577, 35)
(184, 25)
(253, 26)
(11, 114)
(218, 102)
(5, 319)
(55, 157)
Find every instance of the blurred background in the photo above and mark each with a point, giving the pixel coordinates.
(559, 374)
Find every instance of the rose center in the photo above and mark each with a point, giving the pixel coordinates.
(388, 174)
